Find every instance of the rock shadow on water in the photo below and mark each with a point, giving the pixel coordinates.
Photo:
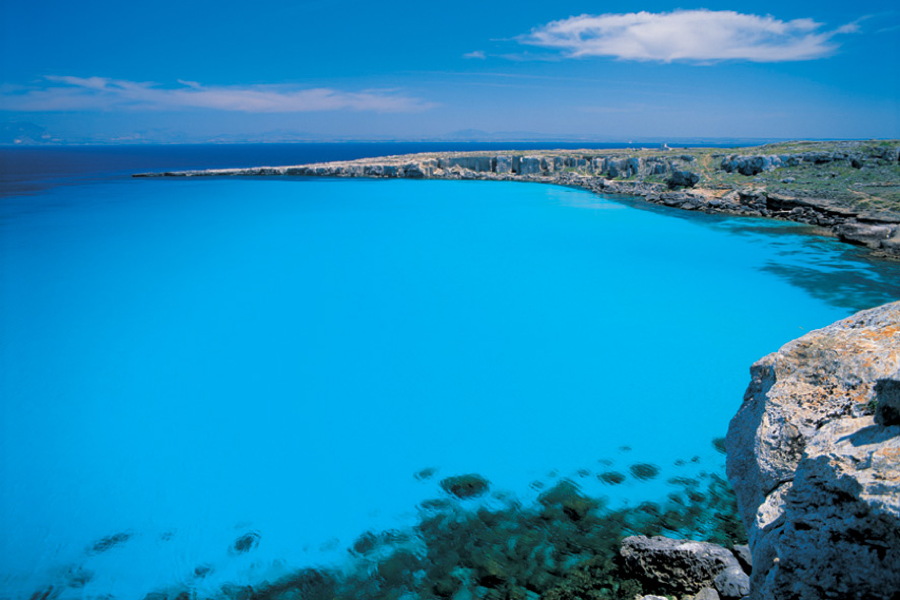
(843, 286)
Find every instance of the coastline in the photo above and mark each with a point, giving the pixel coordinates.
(849, 190)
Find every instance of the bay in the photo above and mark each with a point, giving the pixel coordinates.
(187, 361)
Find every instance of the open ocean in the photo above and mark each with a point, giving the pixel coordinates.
(191, 362)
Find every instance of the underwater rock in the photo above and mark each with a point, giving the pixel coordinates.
(426, 473)
(644, 471)
(719, 445)
(48, 593)
(231, 591)
(611, 477)
(78, 577)
(465, 486)
(178, 593)
(109, 542)
(246, 542)
(566, 497)
(670, 566)
(817, 477)
(364, 544)
(201, 571)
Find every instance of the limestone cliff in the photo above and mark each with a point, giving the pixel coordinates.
(850, 188)
(814, 458)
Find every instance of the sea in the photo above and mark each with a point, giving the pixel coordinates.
(248, 373)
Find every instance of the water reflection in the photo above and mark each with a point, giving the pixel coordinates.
(847, 288)
(841, 275)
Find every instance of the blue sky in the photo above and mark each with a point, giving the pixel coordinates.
(195, 70)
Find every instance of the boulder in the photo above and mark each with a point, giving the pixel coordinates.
(865, 234)
(670, 566)
(750, 165)
(732, 583)
(742, 553)
(682, 179)
(891, 246)
(814, 459)
(706, 594)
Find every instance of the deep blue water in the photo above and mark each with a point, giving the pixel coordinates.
(186, 361)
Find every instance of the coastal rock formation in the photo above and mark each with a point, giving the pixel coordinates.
(814, 458)
(679, 567)
(699, 179)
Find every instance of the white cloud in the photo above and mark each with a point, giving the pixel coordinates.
(65, 93)
(476, 54)
(687, 35)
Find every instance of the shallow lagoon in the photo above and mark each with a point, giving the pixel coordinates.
(187, 361)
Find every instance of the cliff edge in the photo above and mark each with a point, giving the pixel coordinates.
(849, 189)
(814, 458)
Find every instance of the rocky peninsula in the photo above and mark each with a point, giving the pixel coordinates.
(850, 190)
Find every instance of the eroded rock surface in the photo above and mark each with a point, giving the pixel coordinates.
(814, 458)
(689, 181)
(669, 566)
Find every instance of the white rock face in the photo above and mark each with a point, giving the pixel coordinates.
(817, 476)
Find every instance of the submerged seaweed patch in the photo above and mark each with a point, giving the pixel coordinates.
(109, 542)
(469, 544)
(561, 546)
(611, 477)
(644, 471)
(246, 542)
(465, 486)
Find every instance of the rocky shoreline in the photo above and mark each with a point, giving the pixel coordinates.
(850, 190)
(813, 453)
(814, 459)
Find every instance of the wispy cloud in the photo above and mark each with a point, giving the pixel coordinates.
(475, 54)
(65, 93)
(687, 35)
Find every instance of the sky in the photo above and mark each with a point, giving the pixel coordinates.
(274, 70)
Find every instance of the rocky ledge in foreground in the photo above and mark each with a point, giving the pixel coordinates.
(814, 458)
(850, 189)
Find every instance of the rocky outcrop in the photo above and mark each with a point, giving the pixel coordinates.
(814, 458)
(663, 177)
(682, 567)
(755, 164)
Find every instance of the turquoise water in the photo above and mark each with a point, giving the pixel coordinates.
(187, 361)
